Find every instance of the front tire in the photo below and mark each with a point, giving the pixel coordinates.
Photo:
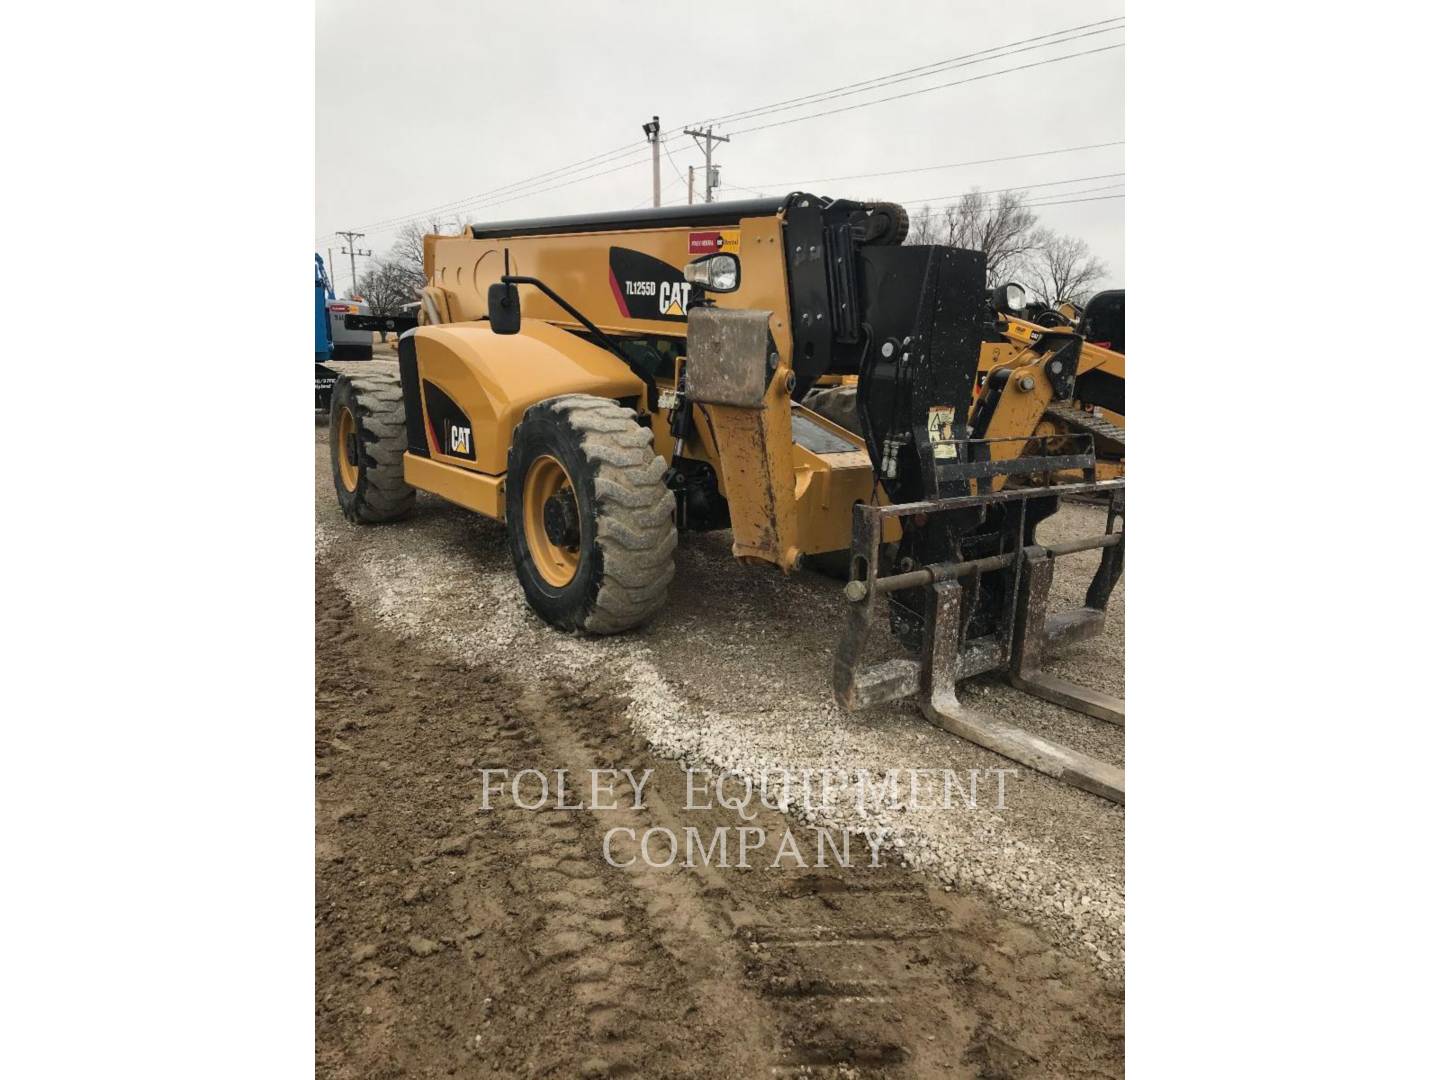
(367, 447)
(590, 520)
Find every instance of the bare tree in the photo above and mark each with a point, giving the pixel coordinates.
(386, 287)
(1001, 226)
(1062, 268)
(924, 228)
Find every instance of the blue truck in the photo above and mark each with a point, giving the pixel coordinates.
(334, 340)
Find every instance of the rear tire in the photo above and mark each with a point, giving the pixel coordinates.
(367, 447)
(591, 522)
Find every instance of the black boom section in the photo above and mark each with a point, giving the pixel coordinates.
(660, 217)
(822, 238)
(812, 324)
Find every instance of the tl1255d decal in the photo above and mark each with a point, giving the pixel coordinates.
(646, 287)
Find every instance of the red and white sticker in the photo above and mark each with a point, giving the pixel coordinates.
(707, 243)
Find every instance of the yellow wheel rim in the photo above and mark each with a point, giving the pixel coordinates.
(554, 555)
(349, 474)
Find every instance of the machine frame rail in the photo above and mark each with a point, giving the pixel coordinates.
(1026, 637)
(396, 324)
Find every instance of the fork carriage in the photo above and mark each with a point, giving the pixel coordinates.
(987, 613)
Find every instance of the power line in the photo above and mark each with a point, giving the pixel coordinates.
(667, 187)
(1063, 199)
(930, 89)
(606, 157)
(1069, 196)
(455, 204)
(791, 185)
(883, 79)
(922, 200)
(991, 191)
(743, 187)
(1082, 191)
(1014, 48)
(458, 204)
(477, 204)
(1095, 198)
(536, 191)
(631, 164)
(1019, 187)
(678, 173)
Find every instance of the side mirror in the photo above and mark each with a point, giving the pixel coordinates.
(504, 308)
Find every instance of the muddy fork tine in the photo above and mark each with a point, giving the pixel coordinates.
(949, 605)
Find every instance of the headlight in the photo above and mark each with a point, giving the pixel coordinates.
(718, 273)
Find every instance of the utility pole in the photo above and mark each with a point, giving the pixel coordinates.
(712, 172)
(690, 195)
(352, 251)
(652, 132)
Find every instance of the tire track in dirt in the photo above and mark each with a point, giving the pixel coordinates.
(871, 971)
(680, 927)
(453, 940)
(496, 943)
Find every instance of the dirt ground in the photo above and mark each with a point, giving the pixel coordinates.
(454, 940)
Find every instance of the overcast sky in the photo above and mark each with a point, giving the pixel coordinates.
(431, 103)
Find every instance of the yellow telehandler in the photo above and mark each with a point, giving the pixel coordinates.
(603, 382)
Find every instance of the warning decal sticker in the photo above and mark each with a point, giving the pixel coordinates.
(707, 243)
(941, 427)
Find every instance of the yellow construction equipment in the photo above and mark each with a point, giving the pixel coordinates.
(1097, 409)
(603, 382)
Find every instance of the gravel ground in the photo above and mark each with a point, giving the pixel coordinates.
(734, 676)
